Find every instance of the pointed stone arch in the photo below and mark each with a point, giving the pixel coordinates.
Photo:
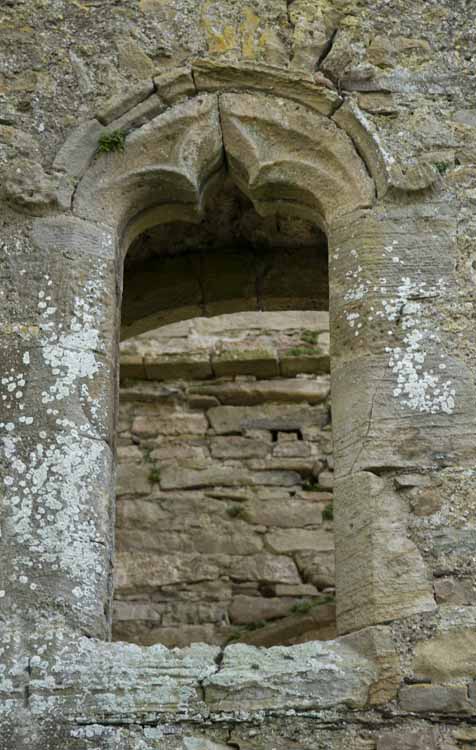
(182, 134)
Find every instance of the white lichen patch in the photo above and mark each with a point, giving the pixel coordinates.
(418, 387)
(57, 485)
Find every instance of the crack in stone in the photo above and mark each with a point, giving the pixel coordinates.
(327, 50)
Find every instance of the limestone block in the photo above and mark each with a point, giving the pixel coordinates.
(235, 446)
(26, 186)
(318, 624)
(264, 567)
(326, 480)
(380, 572)
(303, 589)
(91, 679)
(212, 75)
(367, 142)
(436, 699)
(78, 151)
(377, 644)
(294, 540)
(175, 84)
(260, 362)
(177, 477)
(193, 365)
(236, 419)
(316, 567)
(294, 449)
(128, 453)
(132, 480)
(178, 151)
(314, 675)
(133, 59)
(448, 655)
(408, 738)
(120, 103)
(171, 451)
(170, 424)
(139, 115)
(286, 512)
(249, 609)
(277, 391)
(270, 463)
(196, 401)
(310, 187)
(162, 570)
(455, 591)
(289, 366)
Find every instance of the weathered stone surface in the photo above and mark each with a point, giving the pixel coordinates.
(373, 550)
(176, 173)
(407, 738)
(289, 540)
(265, 567)
(175, 84)
(292, 449)
(235, 446)
(245, 394)
(139, 115)
(210, 75)
(261, 363)
(272, 689)
(170, 366)
(170, 423)
(317, 624)
(290, 366)
(79, 149)
(235, 419)
(162, 570)
(121, 103)
(447, 656)
(249, 609)
(132, 480)
(406, 400)
(174, 477)
(436, 699)
(27, 187)
(286, 512)
(313, 189)
(377, 644)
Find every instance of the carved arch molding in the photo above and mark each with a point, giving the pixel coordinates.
(292, 147)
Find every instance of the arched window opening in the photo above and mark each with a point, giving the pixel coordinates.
(224, 529)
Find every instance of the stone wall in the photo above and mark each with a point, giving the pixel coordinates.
(357, 116)
(224, 525)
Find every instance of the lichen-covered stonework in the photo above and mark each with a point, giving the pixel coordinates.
(357, 118)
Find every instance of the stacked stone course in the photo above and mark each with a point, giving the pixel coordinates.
(224, 525)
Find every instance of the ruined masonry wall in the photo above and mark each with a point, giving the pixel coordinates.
(224, 526)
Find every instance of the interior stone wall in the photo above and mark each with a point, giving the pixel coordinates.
(224, 515)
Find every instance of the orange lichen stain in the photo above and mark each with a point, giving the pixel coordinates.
(220, 38)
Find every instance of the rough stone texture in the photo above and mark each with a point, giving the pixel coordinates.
(207, 546)
(393, 188)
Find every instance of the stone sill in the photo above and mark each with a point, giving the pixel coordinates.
(89, 681)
